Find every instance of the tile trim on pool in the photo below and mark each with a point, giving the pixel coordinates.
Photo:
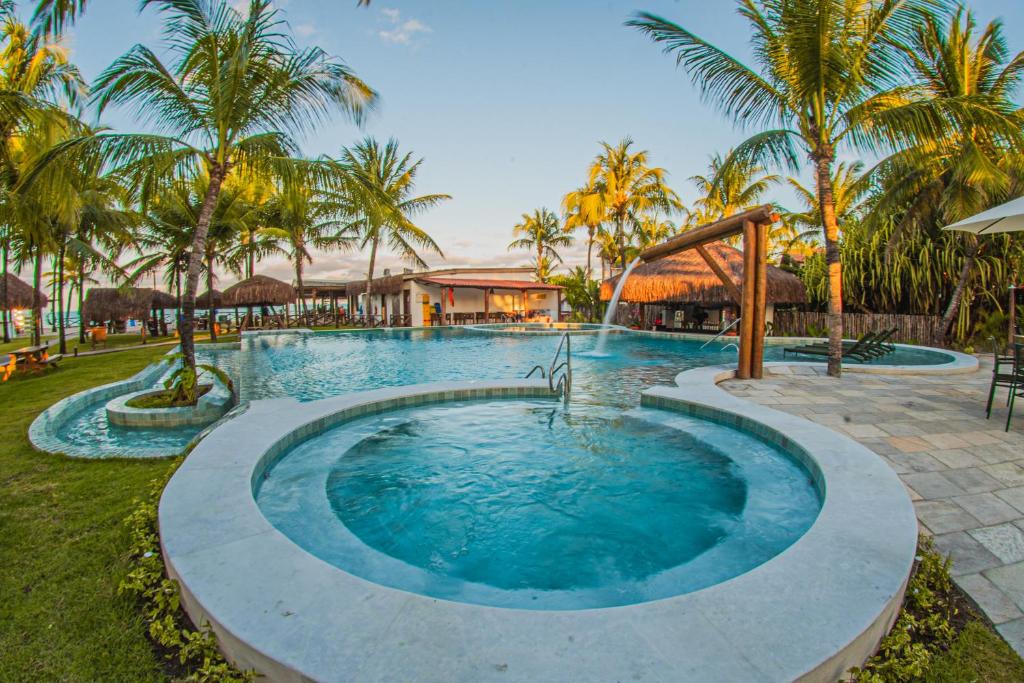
(809, 613)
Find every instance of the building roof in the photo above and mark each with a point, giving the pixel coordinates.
(485, 284)
(684, 277)
(259, 290)
(17, 293)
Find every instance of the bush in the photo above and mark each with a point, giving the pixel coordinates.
(195, 650)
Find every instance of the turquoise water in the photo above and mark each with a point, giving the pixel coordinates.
(309, 367)
(533, 505)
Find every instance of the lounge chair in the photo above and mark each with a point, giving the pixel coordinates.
(856, 350)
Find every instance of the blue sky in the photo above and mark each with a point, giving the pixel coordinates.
(506, 100)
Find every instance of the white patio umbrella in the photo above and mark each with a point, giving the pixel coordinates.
(1008, 217)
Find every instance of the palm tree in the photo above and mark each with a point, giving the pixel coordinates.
(830, 74)
(380, 184)
(626, 189)
(304, 218)
(583, 209)
(943, 180)
(541, 233)
(216, 120)
(732, 185)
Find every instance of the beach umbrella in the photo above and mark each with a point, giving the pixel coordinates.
(1008, 217)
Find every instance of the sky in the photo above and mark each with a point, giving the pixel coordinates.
(505, 100)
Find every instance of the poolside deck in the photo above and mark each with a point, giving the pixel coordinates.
(964, 473)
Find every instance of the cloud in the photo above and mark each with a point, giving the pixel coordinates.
(305, 30)
(401, 31)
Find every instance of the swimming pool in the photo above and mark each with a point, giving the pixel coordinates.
(538, 505)
(312, 366)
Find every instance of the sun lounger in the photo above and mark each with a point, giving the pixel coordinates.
(856, 350)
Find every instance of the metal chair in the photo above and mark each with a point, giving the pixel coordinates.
(1017, 381)
(1003, 375)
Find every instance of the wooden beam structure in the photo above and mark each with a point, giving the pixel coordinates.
(716, 267)
(753, 296)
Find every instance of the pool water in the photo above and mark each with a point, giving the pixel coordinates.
(313, 366)
(534, 505)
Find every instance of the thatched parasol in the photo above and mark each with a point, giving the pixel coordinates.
(115, 303)
(18, 293)
(390, 284)
(163, 300)
(203, 300)
(684, 277)
(259, 290)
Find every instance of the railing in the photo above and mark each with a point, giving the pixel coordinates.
(563, 382)
(725, 329)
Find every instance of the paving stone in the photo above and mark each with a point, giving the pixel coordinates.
(943, 517)
(1005, 541)
(910, 444)
(972, 480)
(1013, 633)
(932, 485)
(993, 603)
(862, 430)
(1013, 496)
(1011, 474)
(945, 441)
(988, 508)
(956, 458)
(968, 555)
(916, 462)
(1009, 578)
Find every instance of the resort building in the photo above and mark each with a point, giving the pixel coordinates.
(453, 296)
(683, 292)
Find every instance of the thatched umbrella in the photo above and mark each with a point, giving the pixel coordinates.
(684, 277)
(162, 300)
(204, 301)
(15, 293)
(116, 304)
(259, 290)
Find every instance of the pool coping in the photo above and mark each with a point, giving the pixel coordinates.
(809, 613)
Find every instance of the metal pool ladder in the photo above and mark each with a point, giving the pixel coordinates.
(563, 385)
(722, 331)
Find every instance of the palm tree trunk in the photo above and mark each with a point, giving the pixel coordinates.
(620, 236)
(830, 226)
(53, 295)
(369, 277)
(209, 291)
(195, 263)
(6, 305)
(37, 302)
(299, 286)
(81, 300)
(60, 298)
(953, 308)
(590, 249)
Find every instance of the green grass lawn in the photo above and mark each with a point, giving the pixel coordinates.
(63, 546)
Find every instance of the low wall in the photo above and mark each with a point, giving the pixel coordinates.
(910, 329)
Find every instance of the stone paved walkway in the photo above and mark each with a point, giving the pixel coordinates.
(964, 473)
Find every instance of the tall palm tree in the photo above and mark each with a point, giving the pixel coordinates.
(945, 179)
(829, 75)
(305, 218)
(626, 188)
(35, 74)
(236, 92)
(380, 184)
(583, 209)
(730, 186)
(541, 233)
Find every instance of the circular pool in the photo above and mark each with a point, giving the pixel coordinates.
(533, 505)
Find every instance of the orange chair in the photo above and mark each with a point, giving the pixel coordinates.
(99, 334)
(7, 369)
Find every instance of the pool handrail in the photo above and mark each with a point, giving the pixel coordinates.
(564, 383)
(722, 331)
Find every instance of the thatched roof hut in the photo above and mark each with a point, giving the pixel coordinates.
(203, 300)
(163, 300)
(389, 284)
(18, 293)
(115, 303)
(259, 290)
(684, 277)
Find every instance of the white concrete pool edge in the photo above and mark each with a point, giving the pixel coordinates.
(815, 609)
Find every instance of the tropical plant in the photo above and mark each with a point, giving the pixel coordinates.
(183, 384)
(731, 185)
(234, 95)
(582, 293)
(944, 179)
(830, 75)
(541, 233)
(583, 209)
(624, 189)
(380, 185)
